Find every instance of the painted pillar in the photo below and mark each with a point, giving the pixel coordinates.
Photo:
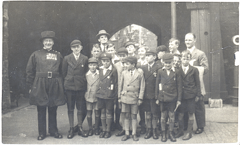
(173, 20)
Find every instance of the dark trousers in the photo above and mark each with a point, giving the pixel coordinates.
(52, 119)
(142, 116)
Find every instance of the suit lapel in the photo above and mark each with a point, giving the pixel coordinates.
(107, 73)
(168, 77)
(155, 67)
(79, 60)
(189, 70)
(134, 77)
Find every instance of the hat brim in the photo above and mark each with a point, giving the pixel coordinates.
(76, 44)
(53, 38)
(169, 60)
(98, 35)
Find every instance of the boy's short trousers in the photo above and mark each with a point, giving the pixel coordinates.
(105, 104)
(187, 105)
(130, 108)
(149, 105)
(167, 106)
(91, 106)
(75, 97)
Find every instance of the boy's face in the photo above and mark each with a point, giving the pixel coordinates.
(185, 60)
(129, 66)
(92, 67)
(176, 61)
(96, 52)
(160, 54)
(103, 39)
(168, 65)
(141, 52)
(122, 56)
(111, 50)
(173, 46)
(106, 63)
(76, 49)
(131, 49)
(190, 41)
(150, 58)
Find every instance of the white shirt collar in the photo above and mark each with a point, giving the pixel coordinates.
(109, 68)
(76, 56)
(90, 73)
(173, 69)
(191, 50)
(151, 64)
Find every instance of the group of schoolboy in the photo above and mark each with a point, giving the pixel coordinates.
(159, 84)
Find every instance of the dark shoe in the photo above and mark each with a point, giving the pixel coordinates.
(155, 135)
(102, 134)
(107, 135)
(97, 131)
(70, 133)
(179, 134)
(75, 130)
(135, 138)
(148, 134)
(171, 136)
(41, 137)
(143, 130)
(187, 136)
(164, 137)
(121, 133)
(199, 130)
(56, 135)
(81, 132)
(125, 137)
(90, 132)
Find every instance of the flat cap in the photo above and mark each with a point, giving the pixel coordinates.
(151, 52)
(76, 42)
(92, 60)
(105, 55)
(129, 43)
(102, 32)
(47, 34)
(131, 59)
(161, 48)
(167, 57)
(122, 50)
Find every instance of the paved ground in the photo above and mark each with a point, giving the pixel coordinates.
(19, 126)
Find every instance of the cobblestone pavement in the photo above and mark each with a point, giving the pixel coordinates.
(20, 127)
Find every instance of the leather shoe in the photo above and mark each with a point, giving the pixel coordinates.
(121, 133)
(135, 138)
(56, 135)
(143, 130)
(97, 131)
(41, 137)
(81, 132)
(171, 136)
(148, 134)
(187, 136)
(90, 132)
(102, 134)
(164, 138)
(107, 134)
(125, 137)
(75, 129)
(155, 135)
(70, 133)
(199, 130)
(179, 134)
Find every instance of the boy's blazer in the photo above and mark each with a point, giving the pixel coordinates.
(190, 83)
(150, 80)
(132, 87)
(168, 88)
(92, 86)
(74, 72)
(108, 85)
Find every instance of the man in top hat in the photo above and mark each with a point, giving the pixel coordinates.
(131, 48)
(74, 69)
(45, 83)
(103, 38)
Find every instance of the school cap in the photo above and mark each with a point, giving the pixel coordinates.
(105, 55)
(131, 59)
(129, 43)
(167, 57)
(92, 60)
(151, 52)
(76, 42)
(122, 50)
(161, 48)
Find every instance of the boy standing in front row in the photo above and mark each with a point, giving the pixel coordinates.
(191, 90)
(168, 92)
(132, 87)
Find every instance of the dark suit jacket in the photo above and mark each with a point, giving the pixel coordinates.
(108, 85)
(171, 86)
(74, 72)
(150, 80)
(191, 83)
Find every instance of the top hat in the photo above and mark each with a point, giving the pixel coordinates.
(48, 34)
(102, 32)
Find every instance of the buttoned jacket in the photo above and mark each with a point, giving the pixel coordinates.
(92, 86)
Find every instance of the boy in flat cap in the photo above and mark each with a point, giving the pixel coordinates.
(132, 87)
(106, 93)
(44, 78)
(74, 69)
(92, 77)
(168, 92)
(103, 37)
(131, 48)
(149, 102)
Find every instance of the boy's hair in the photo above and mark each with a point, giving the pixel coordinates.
(178, 55)
(187, 53)
(161, 48)
(176, 41)
(110, 44)
(96, 46)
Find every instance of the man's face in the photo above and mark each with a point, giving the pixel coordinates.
(111, 50)
(103, 39)
(185, 60)
(190, 41)
(150, 58)
(96, 52)
(122, 56)
(173, 46)
(168, 65)
(141, 52)
(160, 54)
(129, 66)
(131, 49)
(48, 43)
(176, 61)
(106, 63)
(76, 49)
(92, 67)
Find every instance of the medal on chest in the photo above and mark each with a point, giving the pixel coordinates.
(155, 74)
(51, 56)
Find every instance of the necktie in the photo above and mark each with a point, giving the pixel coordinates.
(131, 73)
(77, 57)
(149, 68)
(184, 70)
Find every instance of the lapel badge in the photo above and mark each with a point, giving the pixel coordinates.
(82, 65)
(155, 74)
(108, 77)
